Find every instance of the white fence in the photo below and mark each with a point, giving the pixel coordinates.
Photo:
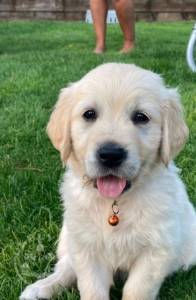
(111, 17)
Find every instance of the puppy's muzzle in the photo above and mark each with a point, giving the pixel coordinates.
(111, 155)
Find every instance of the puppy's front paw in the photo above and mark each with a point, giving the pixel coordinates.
(30, 293)
(35, 291)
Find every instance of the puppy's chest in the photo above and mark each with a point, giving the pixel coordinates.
(118, 245)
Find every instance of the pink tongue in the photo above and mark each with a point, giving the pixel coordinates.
(110, 186)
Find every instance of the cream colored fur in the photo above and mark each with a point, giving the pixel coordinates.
(156, 234)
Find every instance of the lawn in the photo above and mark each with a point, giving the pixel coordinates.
(36, 60)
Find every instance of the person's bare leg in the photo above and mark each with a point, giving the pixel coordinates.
(99, 10)
(125, 13)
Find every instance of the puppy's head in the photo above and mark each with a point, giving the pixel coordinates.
(115, 123)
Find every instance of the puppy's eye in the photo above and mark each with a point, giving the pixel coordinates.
(90, 115)
(140, 118)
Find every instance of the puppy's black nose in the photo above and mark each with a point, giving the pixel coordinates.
(111, 155)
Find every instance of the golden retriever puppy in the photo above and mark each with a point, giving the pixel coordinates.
(118, 129)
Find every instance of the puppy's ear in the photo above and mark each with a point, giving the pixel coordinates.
(58, 127)
(175, 131)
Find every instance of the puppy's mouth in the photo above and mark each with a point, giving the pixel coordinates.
(111, 186)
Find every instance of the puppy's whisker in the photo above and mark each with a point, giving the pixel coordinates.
(86, 181)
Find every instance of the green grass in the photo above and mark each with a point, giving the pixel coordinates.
(36, 60)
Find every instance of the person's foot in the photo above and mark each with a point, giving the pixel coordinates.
(127, 47)
(99, 49)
